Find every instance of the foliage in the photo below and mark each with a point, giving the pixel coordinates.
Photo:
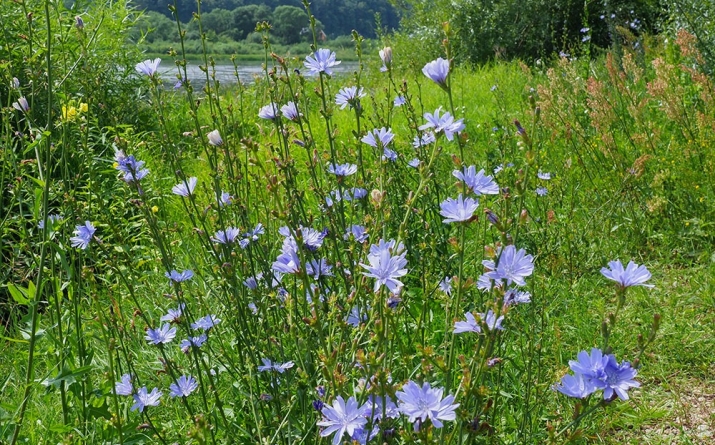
(697, 17)
(340, 17)
(91, 70)
(484, 30)
(289, 23)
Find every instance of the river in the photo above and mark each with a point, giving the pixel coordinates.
(225, 73)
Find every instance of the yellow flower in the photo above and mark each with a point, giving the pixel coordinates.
(155, 209)
(69, 114)
(82, 107)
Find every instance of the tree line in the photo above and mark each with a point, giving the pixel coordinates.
(236, 19)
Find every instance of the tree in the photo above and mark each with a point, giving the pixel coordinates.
(218, 20)
(155, 26)
(288, 22)
(246, 17)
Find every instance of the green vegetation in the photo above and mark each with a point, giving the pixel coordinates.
(229, 26)
(596, 159)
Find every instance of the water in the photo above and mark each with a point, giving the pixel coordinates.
(247, 72)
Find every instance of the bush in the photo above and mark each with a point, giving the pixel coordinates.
(483, 30)
(697, 16)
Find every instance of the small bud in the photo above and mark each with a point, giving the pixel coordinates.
(492, 217)
(523, 216)
(21, 105)
(79, 23)
(215, 138)
(386, 56)
(376, 196)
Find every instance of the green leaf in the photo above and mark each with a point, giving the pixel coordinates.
(19, 294)
(67, 375)
(100, 411)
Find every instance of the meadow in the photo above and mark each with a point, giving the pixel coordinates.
(417, 252)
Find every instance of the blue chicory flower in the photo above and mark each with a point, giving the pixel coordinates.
(162, 335)
(185, 188)
(426, 403)
(253, 235)
(290, 111)
(342, 417)
(480, 183)
(342, 169)
(225, 199)
(426, 139)
(142, 399)
(124, 387)
(206, 323)
(179, 277)
(576, 386)
(148, 67)
(358, 232)
(379, 137)
(471, 325)
(597, 371)
(389, 155)
(617, 380)
(288, 260)
(196, 342)
(513, 296)
(321, 62)
(355, 317)
(444, 123)
(83, 235)
(318, 268)
(349, 96)
(437, 71)
(446, 285)
(226, 236)
(268, 366)
(514, 265)
(385, 267)
(458, 210)
(632, 275)
(183, 386)
(491, 320)
(174, 315)
(21, 105)
(269, 112)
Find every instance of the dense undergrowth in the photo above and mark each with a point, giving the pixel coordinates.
(257, 263)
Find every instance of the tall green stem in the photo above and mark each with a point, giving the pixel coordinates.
(39, 284)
